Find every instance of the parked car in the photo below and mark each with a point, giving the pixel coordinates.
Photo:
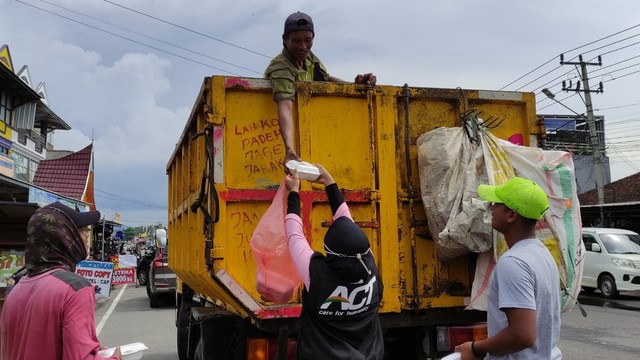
(162, 280)
(612, 261)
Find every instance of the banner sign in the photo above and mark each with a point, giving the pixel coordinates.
(122, 276)
(124, 269)
(99, 275)
(9, 264)
(127, 261)
(43, 198)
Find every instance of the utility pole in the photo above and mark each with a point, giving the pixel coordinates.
(593, 134)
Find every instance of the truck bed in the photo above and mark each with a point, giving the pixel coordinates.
(228, 161)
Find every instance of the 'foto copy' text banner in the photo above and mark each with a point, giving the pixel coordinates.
(99, 275)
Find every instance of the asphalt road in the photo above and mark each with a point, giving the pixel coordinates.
(610, 330)
(132, 320)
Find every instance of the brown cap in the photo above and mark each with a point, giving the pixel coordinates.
(298, 21)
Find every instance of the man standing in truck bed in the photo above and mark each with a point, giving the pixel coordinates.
(298, 63)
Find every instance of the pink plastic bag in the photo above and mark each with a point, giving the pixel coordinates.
(276, 275)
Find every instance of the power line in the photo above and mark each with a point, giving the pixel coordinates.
(610, 44)
(185, 28)
(544, 99)
(151, 37)
(128, 199)
(568, 51)
(617, 107)
(614, 64)
(624, 157)
(622, 76)
(538, 78)
(126, 38)
(621, 48)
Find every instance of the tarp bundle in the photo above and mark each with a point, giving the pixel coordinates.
(459, 221)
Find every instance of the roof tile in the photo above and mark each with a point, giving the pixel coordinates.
(67, 175)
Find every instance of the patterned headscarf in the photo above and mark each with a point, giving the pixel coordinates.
(53, 241)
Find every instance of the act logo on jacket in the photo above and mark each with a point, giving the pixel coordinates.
(355, 302)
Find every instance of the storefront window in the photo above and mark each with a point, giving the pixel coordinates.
(25, 168)
(5, 107)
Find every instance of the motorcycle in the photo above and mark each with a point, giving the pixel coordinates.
(144, 262)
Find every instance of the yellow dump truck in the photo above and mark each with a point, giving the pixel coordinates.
(225, 171)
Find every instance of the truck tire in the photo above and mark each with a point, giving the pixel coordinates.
(199, 353)
(188, 334)
(608, 287)
(223, 336)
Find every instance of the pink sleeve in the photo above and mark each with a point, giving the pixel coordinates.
(343, 210)
(299, 248)
(79, 339)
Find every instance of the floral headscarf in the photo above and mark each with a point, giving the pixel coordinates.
(53, 241)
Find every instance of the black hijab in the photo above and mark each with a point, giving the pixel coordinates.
(348, 250)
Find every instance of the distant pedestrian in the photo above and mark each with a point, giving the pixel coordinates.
(343, 288)
(49, 314)
(524, 291)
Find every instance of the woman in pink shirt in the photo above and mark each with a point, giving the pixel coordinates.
(49, 314)
(343, 289)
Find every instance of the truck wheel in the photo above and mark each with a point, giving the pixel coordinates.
(188, 336)
(154, 301)
(608, 287)
(199, 354)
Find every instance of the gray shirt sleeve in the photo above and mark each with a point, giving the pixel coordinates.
(516, 284)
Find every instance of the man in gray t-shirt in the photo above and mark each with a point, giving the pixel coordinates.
(524, 291)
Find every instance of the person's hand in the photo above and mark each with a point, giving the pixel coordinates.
(292, 181)
(290, 155)
(465, 351)
(324, 178)
(366, 78)
(117, 354)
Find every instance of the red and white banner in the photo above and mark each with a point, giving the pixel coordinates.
(122, 276)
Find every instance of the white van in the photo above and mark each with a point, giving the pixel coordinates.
(612, 261)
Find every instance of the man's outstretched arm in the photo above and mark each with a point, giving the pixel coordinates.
(285, 120)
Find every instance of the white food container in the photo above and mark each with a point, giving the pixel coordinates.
(453, 356)
(306, 171)
(133, 351)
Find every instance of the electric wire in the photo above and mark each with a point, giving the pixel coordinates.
(186, 29)
(151, 37)
(127, 39)
(571, 50)
(617, 107)
(128, 199)
(624, 157)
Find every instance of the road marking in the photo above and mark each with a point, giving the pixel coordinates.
(108, 313)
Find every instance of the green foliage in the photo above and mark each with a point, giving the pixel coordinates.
(131, 232)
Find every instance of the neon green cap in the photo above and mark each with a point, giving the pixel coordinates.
(520, 195)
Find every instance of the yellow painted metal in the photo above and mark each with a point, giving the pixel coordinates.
(359, 135)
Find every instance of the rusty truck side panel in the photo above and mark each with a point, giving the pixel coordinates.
(366, 137)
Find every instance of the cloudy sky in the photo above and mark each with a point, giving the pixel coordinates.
(128, 77)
